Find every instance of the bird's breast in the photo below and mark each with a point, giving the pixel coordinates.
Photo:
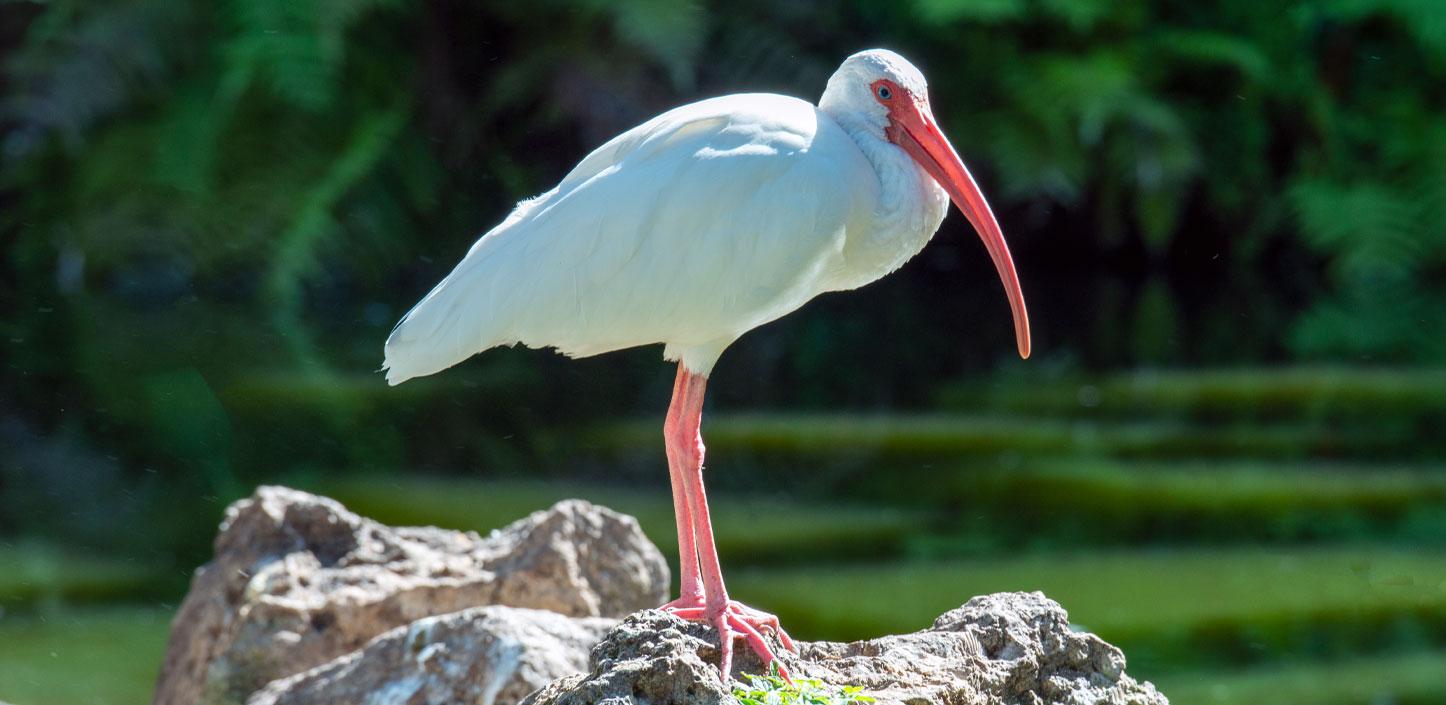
(895, 218)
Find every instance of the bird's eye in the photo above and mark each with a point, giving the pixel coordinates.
(883, 92)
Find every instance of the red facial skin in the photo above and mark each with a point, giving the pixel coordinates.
(913, 129)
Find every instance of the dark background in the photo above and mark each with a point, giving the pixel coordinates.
(1225, 455)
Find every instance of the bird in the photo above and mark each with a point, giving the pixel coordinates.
(694, 228)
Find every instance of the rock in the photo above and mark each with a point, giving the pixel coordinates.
(650, 658)
(1006, 649)
(297, 580)
(485, 655)
(307, 603)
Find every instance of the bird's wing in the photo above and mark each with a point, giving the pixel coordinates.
(691, 228)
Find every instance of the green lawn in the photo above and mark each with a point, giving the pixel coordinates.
(1295, 391)
(1213, 486)
(1235, 485)
(34, 572)
(1417, 678)
(1079, 503)
(954, 435)
(82, 656)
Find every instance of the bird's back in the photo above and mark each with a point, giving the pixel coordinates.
(690, 229)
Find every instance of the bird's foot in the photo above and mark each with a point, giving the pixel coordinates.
(736, 620)
(686, 602)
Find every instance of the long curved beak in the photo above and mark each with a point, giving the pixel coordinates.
(915, 130)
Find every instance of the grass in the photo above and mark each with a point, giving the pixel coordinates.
(40, 573)
(755, 529)
(1096, 502)
(1296, 391)
(82, 656)
(1398, 679)
(1232, 485)
(1162, 608)
(752, 436)
(1238, 485)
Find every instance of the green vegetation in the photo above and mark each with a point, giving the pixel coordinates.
(82, 656)
(1235, 486)
(1097, 502)
(34, 573)
(1411, 679)
(1310, 392)
(772, 690)
(1226, 165)
(935, 435)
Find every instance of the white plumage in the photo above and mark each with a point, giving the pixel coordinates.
(689, 230)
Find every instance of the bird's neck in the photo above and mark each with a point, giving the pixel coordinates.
(911, 204)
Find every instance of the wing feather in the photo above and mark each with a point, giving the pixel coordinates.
(688, 230)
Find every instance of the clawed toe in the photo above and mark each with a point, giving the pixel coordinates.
(737, 621)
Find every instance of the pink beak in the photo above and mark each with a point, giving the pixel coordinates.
(913, 129)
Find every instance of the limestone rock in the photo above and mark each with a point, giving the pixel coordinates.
(650, 658)
(483, 655)
(297, 580)
(1001, 649)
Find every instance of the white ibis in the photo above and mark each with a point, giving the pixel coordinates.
(694, 228)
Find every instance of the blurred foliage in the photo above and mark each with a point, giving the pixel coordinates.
(1232, 183)
(1409, 680)
(45, 575)
(1264, 181)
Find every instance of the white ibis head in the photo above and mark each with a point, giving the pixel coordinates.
(891, 96)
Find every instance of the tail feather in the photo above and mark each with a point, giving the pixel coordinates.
(466, 312)
(450, 324)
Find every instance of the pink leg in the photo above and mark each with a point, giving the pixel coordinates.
(690, 588)
(732, 619)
